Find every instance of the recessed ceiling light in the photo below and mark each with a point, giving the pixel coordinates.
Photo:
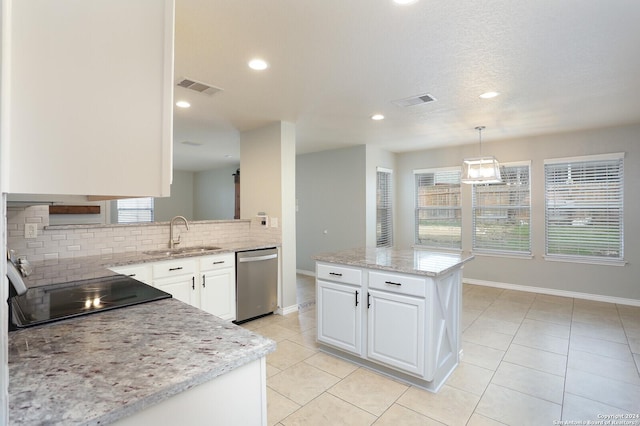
(258, 64)
(183, 104)
(489, 95)
(404, 1)
(377, 117)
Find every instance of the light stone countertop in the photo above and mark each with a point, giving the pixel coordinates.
(410, 261)
(99, 368)
(65, 270)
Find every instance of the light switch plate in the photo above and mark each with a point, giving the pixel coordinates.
(274, 222)
(30, 230)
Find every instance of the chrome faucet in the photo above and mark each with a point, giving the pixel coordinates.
(172, 242)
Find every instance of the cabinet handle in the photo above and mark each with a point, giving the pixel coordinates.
(175, 269)
(368, 300)
(131, 275)
(218, 262)
(203, 284)
(392, 283)
(357, 293)
(335, 273)
(193, 283)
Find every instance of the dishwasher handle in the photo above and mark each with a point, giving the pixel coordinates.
(257, 258)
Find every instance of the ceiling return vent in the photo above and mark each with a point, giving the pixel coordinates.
(415, 100)
(198, 86)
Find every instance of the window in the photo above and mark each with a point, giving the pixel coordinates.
(131, 210)
(584, 207)
(502, 212)
(384, 216)
(438, 221)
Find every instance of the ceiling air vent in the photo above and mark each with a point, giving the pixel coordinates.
(415, 100)
(197, 86)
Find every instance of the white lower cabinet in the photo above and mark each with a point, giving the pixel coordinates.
(139, 272)
(182, 287)
(396, 331)
(339, 308)
(178, 278)
(217, 286)
(206, 282)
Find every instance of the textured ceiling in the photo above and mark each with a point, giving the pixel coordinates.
(560, 65)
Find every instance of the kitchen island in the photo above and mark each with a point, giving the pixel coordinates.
(137, 361)
(394, 311)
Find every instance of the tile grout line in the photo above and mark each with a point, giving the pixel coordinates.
(566, 367)
(624, 329)
(497, 367)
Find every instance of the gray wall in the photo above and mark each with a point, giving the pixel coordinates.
(214, 193)
(181, 200)
(330, 193)
(617, 281)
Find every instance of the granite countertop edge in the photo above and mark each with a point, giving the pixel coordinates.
(361, 258)
(125, 259)
(56, 271)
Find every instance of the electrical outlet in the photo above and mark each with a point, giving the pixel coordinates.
(30, 230)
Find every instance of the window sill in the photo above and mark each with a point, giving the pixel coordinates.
(440, 249)
(587, 260)
(502, 254)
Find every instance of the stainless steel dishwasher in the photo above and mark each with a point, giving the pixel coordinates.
(256, 283)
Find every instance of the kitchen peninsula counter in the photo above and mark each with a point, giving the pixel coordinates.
(101, 368)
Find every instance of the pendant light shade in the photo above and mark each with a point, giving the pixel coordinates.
(481, 169)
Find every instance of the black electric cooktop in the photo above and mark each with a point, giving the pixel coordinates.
(40, 305)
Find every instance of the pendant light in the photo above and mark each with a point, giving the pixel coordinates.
(481, 169)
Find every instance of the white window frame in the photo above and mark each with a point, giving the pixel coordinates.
(455, 244)
(133, 205)
(604, 200)
(384, 203)
(519, 209)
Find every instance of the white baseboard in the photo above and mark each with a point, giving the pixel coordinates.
(554, 292)
(287, 310)
(304, 272)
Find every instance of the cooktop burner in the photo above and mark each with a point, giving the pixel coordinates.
(41, 305)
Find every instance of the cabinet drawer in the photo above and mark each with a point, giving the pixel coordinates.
(138, 272)
(173, 267)
(210, 263)
(396, 283)
(339, 273)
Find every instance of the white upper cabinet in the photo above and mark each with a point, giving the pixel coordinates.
(87, 97)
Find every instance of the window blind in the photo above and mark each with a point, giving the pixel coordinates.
(438, 215)
(502, 212)
(131, 210)
(584, 207)
(384, 214)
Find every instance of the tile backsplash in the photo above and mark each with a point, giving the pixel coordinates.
(66, 241)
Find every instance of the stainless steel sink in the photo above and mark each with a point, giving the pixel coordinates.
(182, 251)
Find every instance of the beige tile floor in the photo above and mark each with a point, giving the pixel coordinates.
(529, 359)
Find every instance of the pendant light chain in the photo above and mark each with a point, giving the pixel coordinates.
(480, 129)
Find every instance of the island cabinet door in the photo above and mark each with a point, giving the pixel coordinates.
(396, 331)
(339, 316)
